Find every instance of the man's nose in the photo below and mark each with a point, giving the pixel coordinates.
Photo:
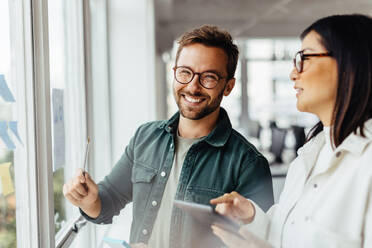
(194, 85)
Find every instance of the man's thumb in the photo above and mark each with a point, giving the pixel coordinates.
(88, 180)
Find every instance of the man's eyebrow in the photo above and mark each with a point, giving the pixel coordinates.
(214, 71)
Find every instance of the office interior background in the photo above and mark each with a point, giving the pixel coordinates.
(73, 69)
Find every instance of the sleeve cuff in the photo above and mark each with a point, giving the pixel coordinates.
(104, 216)
(260, 223)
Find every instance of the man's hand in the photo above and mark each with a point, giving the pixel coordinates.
(235, 206)
(82, 192)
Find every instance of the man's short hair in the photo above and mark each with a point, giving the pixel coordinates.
(214, 37)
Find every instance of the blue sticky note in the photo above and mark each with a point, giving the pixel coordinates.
(116, 243)
(13, 126)
(5, 91)
(5, 137)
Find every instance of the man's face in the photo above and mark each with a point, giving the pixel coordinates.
(194, 101)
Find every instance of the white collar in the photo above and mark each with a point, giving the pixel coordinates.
(353, 143)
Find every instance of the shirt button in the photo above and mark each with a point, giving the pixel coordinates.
(144, 232)
(171, 146)
(163, 174)
(154, 203)
(292, 222)
(315, 185)
(338, 154)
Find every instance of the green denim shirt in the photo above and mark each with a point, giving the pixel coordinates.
(221, 162)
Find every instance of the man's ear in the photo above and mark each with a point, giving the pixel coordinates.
(229, 86)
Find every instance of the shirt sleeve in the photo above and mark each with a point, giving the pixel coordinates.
(115, 191)
(368, 222)
(255, 182)
(261, 222)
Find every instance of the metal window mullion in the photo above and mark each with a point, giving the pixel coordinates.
(244, 117)
(24, 156)
(97, 77)
(44, 168)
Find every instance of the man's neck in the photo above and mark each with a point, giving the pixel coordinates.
(198, 128)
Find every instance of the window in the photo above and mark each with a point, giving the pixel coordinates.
(67, 99)
(8, 137)
(270, 91)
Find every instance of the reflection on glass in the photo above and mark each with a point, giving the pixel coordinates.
(57, 78)
(7, 187)
(68, 123)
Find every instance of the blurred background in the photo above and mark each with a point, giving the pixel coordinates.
(72, 69)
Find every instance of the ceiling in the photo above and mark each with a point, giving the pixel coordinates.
(247, 18)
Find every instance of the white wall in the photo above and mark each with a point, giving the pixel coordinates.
(132, 62)
(131, 81)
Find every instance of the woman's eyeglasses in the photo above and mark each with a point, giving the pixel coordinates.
(298, 60)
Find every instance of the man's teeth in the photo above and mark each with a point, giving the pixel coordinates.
(190, 99)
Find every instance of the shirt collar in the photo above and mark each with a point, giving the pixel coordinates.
(353, 143)
(219, 135)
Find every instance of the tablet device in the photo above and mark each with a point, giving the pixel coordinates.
(116, 243)
(207, 215)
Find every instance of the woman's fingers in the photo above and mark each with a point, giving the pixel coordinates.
(254, 240)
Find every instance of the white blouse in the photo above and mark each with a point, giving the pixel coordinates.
(327, 197)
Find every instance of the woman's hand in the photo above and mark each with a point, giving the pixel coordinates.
(235, 207)
(246, 239)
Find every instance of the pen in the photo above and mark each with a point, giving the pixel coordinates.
(86, 157)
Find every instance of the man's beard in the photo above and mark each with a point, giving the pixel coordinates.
(190, 113)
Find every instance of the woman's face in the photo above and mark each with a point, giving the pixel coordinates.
(316, 85)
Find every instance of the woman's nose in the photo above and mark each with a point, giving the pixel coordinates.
(293, 75)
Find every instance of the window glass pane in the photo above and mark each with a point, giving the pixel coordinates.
(270, 91)
(67, 100)
(7, 190)
(232, 102)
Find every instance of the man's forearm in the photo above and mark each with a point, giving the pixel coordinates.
(94, 209)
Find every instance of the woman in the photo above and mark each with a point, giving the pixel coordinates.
(327, 197)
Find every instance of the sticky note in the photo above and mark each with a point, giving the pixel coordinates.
(59, 139)
(6, 179)
(4, 136)
(5, 92)
(13, 126)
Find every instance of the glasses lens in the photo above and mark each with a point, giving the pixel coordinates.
(209, 79)
(183, 75)
(298, 62)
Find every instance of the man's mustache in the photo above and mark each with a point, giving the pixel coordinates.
(193, 94)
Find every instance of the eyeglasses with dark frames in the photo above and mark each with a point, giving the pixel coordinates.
(299, 58)
(207, 79)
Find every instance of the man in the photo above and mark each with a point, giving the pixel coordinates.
(195, 156)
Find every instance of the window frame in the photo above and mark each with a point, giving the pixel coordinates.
(34, 171)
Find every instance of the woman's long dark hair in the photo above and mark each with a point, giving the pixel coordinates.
(349, 39)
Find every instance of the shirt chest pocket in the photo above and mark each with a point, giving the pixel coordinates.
(318, 235)
(201, 195)
(142, 181)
